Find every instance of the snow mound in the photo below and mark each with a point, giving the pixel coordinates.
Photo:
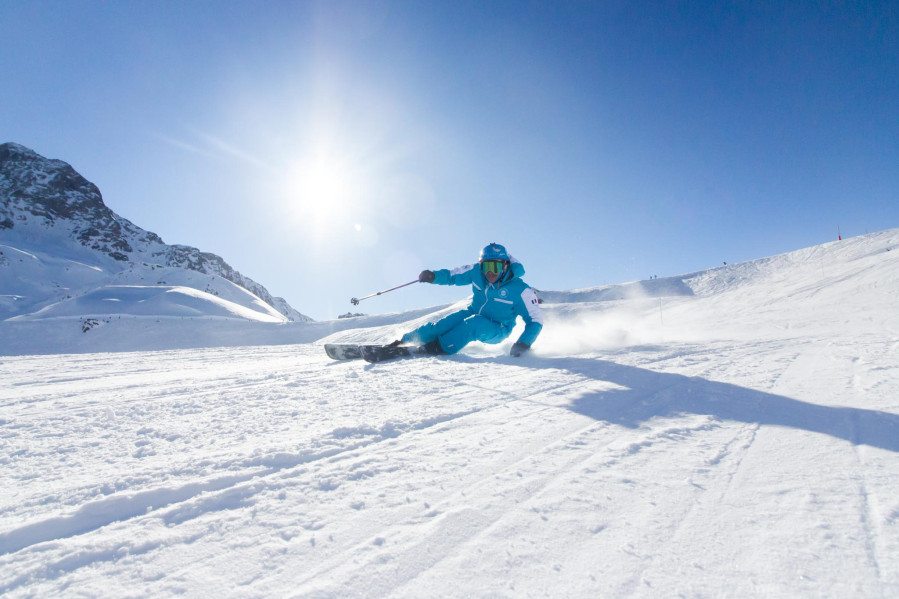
(666, 287)
(40, 284)
(152, 302)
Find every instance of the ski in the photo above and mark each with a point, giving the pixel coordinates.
(379, 353)
(370, 353)
(343, 351)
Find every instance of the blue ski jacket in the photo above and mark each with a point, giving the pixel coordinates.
(502, 301)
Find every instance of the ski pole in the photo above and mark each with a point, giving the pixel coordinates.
(355, 301)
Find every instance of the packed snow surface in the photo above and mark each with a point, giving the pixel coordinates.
(728, 433)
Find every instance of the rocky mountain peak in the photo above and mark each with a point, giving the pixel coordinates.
(50, 194)
(48, 199)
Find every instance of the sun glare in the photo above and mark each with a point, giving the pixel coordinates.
(321, 192)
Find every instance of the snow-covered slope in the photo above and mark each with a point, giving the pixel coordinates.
(58, 241)
(737, 440)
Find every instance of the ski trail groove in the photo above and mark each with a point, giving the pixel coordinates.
(869, 515)
(449, 530)
(742, 440)
(93, 515)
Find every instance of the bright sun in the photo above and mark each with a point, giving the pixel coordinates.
(331, 193)
(321, 191)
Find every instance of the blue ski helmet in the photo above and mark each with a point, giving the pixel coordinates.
(494, 251)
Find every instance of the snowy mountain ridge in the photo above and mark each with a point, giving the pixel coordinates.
(57, 218)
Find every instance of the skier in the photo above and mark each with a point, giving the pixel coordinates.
(499, 296)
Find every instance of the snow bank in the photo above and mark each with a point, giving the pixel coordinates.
(155, 302)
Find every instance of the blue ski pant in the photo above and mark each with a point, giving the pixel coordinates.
(458, 329)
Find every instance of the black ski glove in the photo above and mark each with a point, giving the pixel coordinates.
(519, 348)
(426, 276)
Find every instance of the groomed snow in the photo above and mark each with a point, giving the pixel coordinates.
(728, 433)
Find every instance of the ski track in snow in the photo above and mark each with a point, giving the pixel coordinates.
(747, 448)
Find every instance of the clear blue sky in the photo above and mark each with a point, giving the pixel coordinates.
(332, 149)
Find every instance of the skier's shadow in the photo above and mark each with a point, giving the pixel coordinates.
(648, 394)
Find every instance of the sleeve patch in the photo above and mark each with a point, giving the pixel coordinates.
(529, 297)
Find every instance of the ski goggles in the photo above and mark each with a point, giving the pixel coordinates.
(492, 266)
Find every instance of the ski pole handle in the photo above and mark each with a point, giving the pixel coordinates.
(355, 301)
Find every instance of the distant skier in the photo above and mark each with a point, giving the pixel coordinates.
(499, 298)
